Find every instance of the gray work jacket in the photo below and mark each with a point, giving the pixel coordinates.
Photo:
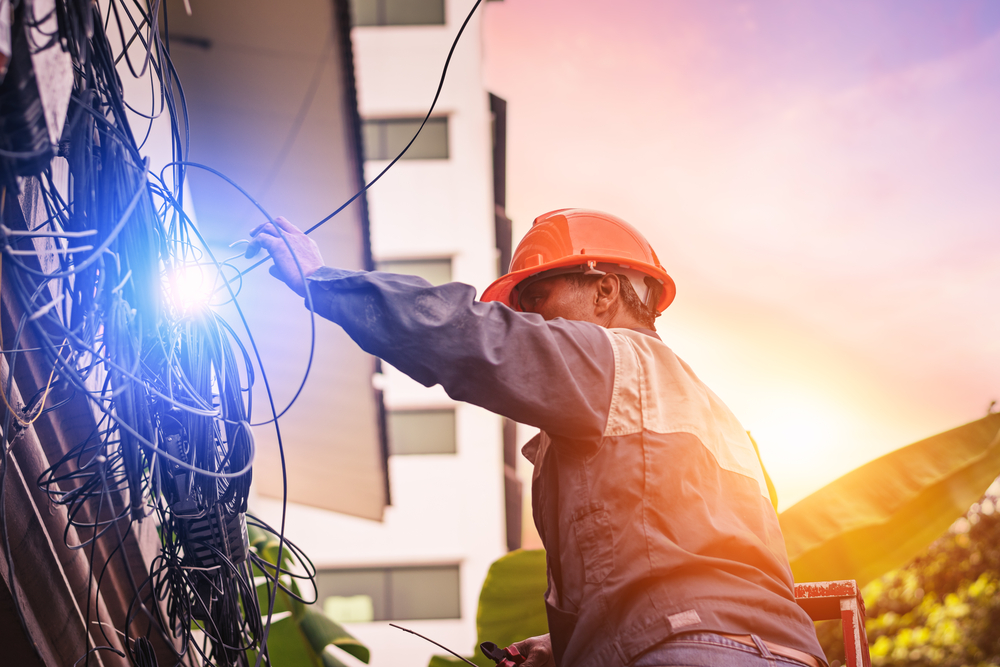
(646, 490)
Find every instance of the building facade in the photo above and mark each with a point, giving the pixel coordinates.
(438, 213)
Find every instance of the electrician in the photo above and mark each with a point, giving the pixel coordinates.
(662, 546)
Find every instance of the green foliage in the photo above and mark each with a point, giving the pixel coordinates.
(511, 605)
(942, 608)
(449, 661)
(503, 616)
(879, 516)
(299, 636)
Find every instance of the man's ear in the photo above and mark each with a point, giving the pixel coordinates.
(608, 291)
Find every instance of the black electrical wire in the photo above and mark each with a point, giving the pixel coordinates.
(437, 94)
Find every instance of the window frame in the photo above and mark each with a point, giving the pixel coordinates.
(452, 410)
(382, 19)
(387, 603)
(382, 265)
(385, 152)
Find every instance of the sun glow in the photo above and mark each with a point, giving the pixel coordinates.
(799, 428)
(805, 441)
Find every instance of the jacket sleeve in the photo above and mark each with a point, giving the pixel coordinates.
(556, 375)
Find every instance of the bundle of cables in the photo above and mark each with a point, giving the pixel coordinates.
(170, 387)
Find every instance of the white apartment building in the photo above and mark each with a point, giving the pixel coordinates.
(437, 213)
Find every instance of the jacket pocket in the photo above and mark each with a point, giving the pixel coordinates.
(593, 535)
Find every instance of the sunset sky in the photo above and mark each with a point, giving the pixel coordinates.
(821, 179)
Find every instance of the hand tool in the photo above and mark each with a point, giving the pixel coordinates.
(504, 657)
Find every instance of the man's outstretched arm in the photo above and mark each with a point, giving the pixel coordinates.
(557, 375)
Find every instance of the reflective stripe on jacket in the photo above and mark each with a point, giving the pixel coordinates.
(646, 491)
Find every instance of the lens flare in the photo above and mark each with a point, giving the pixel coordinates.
(190, 287)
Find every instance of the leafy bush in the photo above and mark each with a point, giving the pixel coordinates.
(942, 608)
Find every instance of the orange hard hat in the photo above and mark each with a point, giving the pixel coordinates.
(579, 240)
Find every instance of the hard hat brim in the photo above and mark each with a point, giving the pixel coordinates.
(502, 288)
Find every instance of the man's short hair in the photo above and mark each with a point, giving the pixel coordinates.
(645, 315)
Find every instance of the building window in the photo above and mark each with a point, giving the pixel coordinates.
(385, 138)
(389, 593)
(434, 271)
(397, 12)
(422, 431)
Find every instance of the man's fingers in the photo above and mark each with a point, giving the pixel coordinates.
(524, 648)
(272, 229)
(286, 226)
(267, 242)
(536, 650)
(295, 255)
(257, 230)
(283, 230)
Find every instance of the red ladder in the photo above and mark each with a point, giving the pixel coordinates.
(829, 600)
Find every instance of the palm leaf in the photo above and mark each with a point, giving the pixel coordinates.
(879, 516)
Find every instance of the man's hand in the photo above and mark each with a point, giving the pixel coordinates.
(290, 245)
(537, 651)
